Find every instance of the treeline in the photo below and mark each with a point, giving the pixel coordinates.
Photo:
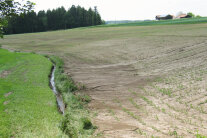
(53, 20)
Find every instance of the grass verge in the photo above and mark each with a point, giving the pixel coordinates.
(27, 104)
(76, 121)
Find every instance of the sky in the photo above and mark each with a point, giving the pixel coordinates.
(130, 9)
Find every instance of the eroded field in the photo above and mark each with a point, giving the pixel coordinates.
(144, 81)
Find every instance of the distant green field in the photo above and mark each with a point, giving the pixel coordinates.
(27, 104)
(161, 22)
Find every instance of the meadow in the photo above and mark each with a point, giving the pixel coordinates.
(143, 80)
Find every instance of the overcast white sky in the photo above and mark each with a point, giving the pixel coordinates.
(130, 9)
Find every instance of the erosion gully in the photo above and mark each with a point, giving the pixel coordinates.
(59, 99)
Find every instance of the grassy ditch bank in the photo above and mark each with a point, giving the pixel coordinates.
(76, 121)
(27, 104)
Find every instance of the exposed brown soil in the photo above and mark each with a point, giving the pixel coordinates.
(119, 92)
(7, 94)
(6, 102)
(4, 74)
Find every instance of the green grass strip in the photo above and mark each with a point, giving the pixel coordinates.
(27, 104)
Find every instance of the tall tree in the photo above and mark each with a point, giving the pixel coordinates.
(73, 16)
(191, 15)
(53, 20)
(10, 8)
(95, 15)
(42, 21)
(60, 13)
(91, 17)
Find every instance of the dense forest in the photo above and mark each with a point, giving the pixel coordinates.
(55, 19)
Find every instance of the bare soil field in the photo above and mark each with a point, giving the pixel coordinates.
(145, 81)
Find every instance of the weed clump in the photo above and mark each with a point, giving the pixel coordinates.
(165, 91)
(86, 123)
(84, 98)
(67, 126)
(76, 126)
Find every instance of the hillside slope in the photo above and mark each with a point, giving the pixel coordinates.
(144, 80)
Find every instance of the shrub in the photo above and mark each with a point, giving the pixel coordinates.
(86, 123)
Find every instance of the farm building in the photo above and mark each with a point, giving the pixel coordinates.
(164, 17)
(183, 16)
